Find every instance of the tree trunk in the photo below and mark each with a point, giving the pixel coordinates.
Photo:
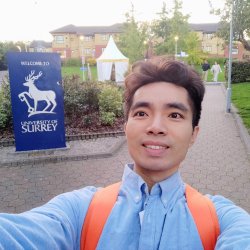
(245, 44)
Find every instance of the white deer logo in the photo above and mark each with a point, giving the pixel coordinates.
(37, 95)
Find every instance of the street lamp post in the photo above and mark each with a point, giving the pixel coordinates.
(82, 58)
(229, 79)
(176, 38)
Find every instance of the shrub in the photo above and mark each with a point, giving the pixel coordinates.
(240, 71)
(91, 61)
(80, 98)
(107, 118)
(5, 105)
(88, 120)
(110, 99)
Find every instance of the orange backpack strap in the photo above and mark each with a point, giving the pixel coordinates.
(201, 208)
(98, 212)
(205, 217)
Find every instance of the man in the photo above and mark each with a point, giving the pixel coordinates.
(162, 109)
(205, 67)
(216, 69)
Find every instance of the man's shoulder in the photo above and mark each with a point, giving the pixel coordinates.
(83, 194)
(227, 210)
(234, 224)
(69, 202)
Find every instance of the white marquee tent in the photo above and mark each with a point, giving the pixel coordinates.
(112, 57)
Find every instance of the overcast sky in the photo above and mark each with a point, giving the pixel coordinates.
(29, 20)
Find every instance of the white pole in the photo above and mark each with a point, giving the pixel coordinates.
(175, 49)
(176, 40)
(229, 79)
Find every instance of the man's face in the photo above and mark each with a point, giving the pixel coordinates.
(159, 129)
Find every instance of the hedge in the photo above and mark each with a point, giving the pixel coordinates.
(240, 71)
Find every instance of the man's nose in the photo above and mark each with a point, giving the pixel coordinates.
(157, 125)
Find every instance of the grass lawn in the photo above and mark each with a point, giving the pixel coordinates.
(241, 99)
(76, 71)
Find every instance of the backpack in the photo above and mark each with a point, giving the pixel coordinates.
(201, 208)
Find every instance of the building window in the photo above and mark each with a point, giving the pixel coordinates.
(87, 38)
(88, 51)
(59, 39)
(208, 48)
(235, 51)
(208, 36)
(39, 49)
(105, 37)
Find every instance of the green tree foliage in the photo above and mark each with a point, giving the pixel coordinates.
(9, 46)
(193, 49)
(241, 20)
(161, 27)
(170, 24)
(132, 39)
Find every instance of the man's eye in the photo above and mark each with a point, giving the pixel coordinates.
(140, 113)
(176, 116)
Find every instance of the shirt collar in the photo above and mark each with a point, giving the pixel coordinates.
(169, 189)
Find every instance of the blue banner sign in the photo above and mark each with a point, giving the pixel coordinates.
(83, 69)
(37, 100)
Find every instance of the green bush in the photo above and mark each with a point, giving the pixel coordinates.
(5, 105)
(91, 61)
(110, 99)
(240, 71)
(80, 98)
(107, 118)
(85, 103)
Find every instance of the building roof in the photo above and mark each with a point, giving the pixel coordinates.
(205, 27)
(117, 28)
(89, 30)
(40, 44)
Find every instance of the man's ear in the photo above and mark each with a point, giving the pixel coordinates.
(194, 135)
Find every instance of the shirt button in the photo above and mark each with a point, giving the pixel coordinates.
(164, 202)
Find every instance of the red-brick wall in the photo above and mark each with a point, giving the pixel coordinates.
(98, 50)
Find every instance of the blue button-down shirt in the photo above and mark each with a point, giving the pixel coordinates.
(139, 220)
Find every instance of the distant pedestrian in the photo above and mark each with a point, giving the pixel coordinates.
(216, 69)
(205, 67)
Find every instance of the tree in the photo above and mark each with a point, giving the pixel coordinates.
(166, 28)
(4, 48)
(241, 20)
(193, 49)
(161, 27)
(132, 39)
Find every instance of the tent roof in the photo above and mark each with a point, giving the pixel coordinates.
(111, 53)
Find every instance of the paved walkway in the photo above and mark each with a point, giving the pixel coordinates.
(218, 163)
